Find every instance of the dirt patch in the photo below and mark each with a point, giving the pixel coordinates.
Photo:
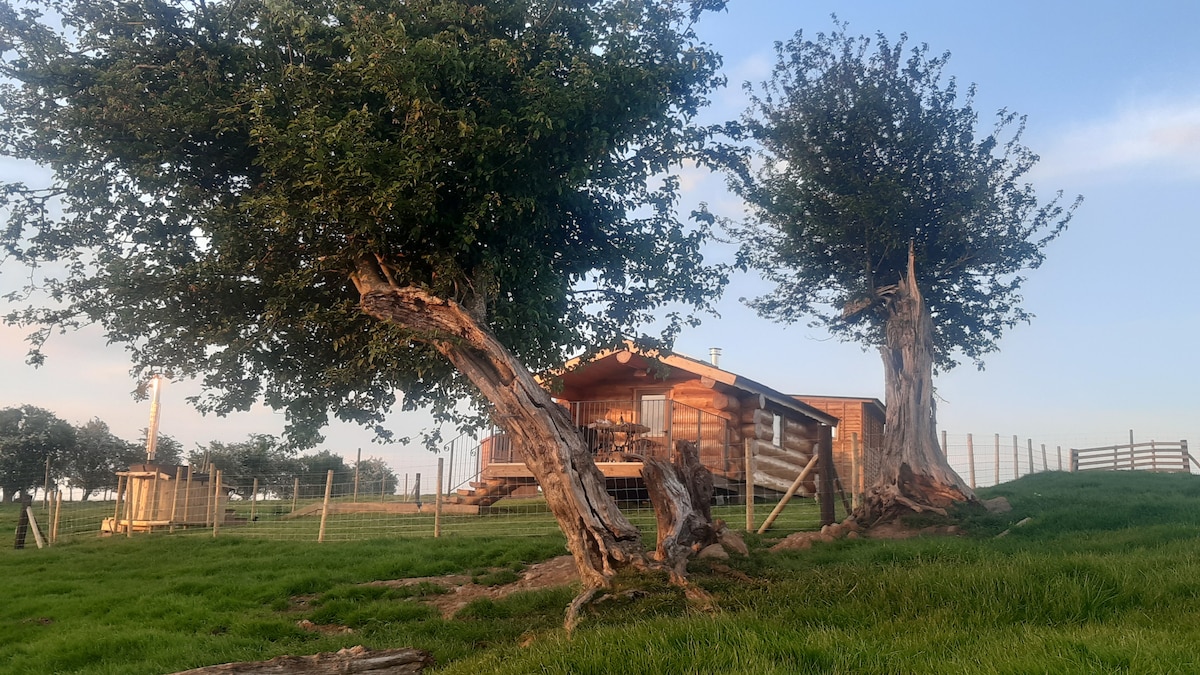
(849, 529)
(461, 590)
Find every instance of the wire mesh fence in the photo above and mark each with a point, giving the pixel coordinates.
(426, 499)
(984, 460)
(315, 508)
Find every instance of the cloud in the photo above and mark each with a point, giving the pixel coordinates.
(1161, 136)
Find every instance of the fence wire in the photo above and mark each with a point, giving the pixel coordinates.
(295, 507)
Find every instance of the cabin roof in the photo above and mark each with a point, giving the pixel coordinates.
(608, 364)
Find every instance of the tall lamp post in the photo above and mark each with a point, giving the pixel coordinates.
(152, 434)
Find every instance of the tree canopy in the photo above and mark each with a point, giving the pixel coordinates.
(869, 149)
(29, 436)
(97, 456)
(880, 210)
(221, 169)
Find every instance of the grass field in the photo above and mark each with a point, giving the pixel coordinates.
(1105, 577)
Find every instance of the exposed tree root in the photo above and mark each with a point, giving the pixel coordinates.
(582, 600)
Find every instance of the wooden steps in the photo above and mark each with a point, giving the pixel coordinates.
(489, 491)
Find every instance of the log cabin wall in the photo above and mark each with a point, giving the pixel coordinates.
(781, 441)
(861, 416)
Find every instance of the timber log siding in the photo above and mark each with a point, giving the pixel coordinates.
(863, 417)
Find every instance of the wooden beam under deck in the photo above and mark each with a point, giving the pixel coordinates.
(609, 469)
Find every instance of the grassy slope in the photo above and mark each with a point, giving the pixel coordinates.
(1103, 579)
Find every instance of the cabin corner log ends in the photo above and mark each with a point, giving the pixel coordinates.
(911, 473)
(601, 539)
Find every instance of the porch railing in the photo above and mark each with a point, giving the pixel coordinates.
(647, 427)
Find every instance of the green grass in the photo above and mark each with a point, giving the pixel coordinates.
(1105, 577)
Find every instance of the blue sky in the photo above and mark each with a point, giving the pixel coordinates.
(1112, 92)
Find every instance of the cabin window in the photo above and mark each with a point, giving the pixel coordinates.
(777, 431)
(654, 413)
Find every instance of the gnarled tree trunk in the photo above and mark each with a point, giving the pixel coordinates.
(910, 473)
(598, 535)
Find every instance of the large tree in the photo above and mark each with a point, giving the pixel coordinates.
(261, 456)
(321, 203)
(29, 437)
(97, 456)
(881, 210)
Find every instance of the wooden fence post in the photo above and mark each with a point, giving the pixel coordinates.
(749, 471)
(437, 502)
(1045, 465)
(129, 500)
(218, 512)
(1029, 444)
(1016, 460)
(23, 522)
(295, 492)
(971, 458)
(46, 488)
(417, 490)
(325, 505)
(58, 514)
(357, 463)
(175, 499)
(121, 480)
(855, 470)
(825, 452)
(187, 496)
(1059, 457)
(253, 500)
(997, 460)
(37, 532)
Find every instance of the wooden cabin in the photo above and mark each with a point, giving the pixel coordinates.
(153, 496)
(860, 418)
(627, 402)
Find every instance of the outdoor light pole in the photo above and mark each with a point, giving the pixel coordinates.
(152, 433)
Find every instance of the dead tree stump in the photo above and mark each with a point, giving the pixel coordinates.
(681, 493)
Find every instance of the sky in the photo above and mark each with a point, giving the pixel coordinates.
(1112, 95)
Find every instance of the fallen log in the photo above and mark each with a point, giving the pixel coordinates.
(346, 661)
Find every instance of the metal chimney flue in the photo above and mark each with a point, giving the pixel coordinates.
(714, 356)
